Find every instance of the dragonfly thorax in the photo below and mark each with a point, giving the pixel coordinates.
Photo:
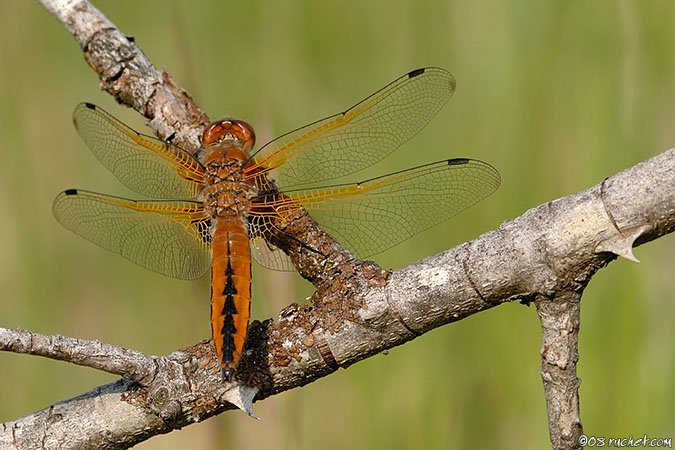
(227, 198)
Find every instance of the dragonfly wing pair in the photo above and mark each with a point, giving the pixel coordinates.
(167, 236)
(172, 233)
(360, 215)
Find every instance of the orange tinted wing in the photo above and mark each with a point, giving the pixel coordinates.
(359, 137)
(376, 214)
(142, 163)
(169, 237)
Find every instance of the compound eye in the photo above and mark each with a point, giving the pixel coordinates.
(245, 134)
(229, 133)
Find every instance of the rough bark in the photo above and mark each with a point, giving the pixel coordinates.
(546, 256)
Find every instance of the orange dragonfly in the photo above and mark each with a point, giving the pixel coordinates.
(218, 208)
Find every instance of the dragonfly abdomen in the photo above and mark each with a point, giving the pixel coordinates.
(230, 291)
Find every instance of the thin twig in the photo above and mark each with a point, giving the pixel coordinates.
(559, 354)
(129, 364)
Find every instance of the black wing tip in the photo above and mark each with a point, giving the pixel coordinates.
(450, 79)
(458, 161)
(416, 72)
(79, 109)
(496, 177)
(70, 192)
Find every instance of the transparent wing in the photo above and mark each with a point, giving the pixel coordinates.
(268, 255)
(144, 164)
(376, 214)
(169, 237)
(359, 137)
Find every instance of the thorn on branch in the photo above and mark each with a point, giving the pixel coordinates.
(622, 244)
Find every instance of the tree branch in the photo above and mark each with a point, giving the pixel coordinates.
(127, 74)
(129, 364)
(559, 355)
(548, 255)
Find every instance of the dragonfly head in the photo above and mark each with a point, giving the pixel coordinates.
(231, 138)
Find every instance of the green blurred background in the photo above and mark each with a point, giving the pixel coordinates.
(557, 95)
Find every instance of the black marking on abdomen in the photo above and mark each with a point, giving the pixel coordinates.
(229, 309)
(229, 288)
(228, 331)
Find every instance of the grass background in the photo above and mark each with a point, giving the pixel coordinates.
(557, 95)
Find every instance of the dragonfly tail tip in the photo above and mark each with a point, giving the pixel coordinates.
(227, 373)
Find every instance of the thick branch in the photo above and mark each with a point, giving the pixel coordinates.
(547, 252)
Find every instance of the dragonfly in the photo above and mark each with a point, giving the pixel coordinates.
(219, 208)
